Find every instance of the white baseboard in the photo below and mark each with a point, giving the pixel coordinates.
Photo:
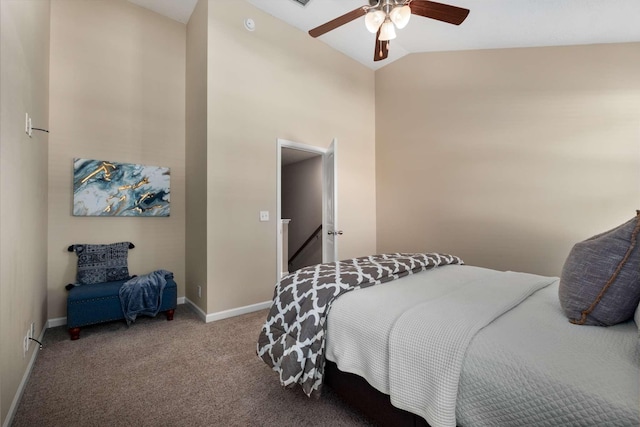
(61, 321)
(212, 317)
(57, 321)
(25, 378)
(201, 314)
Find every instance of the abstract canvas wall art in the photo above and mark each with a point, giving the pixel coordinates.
(105, 188)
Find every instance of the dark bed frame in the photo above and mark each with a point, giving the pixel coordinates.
(376, 406)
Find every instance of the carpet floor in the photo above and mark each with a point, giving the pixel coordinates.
(159, 373)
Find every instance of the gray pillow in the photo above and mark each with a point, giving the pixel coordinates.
(600, 282)
(636, 317)
(102, 263)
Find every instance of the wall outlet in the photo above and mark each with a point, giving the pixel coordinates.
(25, 346)
(199, 291)
(32, 332)
(264, 215)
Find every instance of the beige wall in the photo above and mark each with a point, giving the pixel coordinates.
(24, 85)
(196, 157)
(277, 82)
(507, 157)
(117, 93)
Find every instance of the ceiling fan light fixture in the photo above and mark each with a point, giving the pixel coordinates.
(400, 16)
(373, 20)
(383, 16)
(387, 31)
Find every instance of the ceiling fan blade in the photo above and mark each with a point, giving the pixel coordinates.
(382, 49)
(441, 12)
(335, 23)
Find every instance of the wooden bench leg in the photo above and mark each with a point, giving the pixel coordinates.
(75, 333)
(170, 314)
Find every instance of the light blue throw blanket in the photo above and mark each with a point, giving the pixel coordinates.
(143, 294)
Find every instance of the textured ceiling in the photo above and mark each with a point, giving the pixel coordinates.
(491, 24)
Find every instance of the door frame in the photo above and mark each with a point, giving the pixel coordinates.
(284, 143)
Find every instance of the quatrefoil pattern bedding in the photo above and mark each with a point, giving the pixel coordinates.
(292, 338)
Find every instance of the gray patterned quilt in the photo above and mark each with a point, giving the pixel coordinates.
(292, 339)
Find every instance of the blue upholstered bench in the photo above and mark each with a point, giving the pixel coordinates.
(100, 302)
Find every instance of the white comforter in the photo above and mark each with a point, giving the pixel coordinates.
(392, 335)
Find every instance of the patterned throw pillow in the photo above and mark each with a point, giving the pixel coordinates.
(600, 282)
(102, 263)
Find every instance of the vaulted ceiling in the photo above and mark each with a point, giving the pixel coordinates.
(490, 24)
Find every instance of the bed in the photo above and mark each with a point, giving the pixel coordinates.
(469, 346)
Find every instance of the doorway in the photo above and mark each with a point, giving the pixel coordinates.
(306, 208)
(301, 204)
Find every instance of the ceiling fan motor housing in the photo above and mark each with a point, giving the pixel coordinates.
(377, 3)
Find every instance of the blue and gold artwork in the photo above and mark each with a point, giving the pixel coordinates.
(103, 188)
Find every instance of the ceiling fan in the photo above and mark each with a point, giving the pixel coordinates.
(383, 16)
